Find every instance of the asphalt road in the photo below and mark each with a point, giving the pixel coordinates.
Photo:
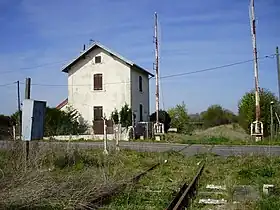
(188, 150)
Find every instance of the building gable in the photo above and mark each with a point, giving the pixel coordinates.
(110, 52)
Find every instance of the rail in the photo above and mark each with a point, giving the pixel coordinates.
(114, 191)
(186, 193)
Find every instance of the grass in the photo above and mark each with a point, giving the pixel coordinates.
(59, 177)
(244, 170)
(158, 188)
(64, 178)
(210, 140)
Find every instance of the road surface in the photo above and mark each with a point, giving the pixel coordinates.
(186, 149)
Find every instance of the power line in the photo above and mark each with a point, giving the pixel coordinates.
(162, 77)
(217, 67)
(8, 84)
(34, 67)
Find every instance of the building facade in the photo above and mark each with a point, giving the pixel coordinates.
(100, 81)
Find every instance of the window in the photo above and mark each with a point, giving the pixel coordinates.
(140, 112)
(97, 81)
(140, 84)
(97, 59)
(97, 113)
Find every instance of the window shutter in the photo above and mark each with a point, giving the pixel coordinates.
(140, 112)
(140, 84)
(97, 82)
(97, 112)
(97, 59)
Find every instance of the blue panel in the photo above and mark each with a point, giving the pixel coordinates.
(33, 115)
(38, 120)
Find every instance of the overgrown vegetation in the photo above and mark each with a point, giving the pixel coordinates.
(243, 170)
(65, 178)
(58, 122)
(158, 188)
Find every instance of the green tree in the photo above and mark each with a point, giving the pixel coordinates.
(115, 116)
(215, 115)
(247, 109)
(179, 118)
(126, 116)
(58, 122)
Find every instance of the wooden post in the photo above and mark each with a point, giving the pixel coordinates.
(27, 96)
(118, 137)
(19, 113)
(105, 136)
(271, 121)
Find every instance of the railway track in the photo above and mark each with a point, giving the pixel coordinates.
(187, 192)
(103, 198)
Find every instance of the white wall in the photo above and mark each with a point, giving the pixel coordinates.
(140, 97)
(116, 84)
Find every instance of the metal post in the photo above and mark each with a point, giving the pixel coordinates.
(254, 42)
(156, 68)
(27, 96)
(19, 112)
(271, 121)
(278, 70)
(105, 136)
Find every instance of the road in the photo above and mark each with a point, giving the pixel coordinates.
(188, 150)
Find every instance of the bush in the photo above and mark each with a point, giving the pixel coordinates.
(126, 116)
(215, 115)
(58, 122)
(115, 116)
(247, 109)
(179, 118)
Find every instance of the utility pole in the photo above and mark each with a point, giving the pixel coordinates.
(19, 111)
(255, 55)
(278, 70)
(156, 68)
(27, 96)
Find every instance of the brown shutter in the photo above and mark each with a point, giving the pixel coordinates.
(97, 82)
(98, 112)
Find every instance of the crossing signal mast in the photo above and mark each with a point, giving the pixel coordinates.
(158, 127)
(257, 125)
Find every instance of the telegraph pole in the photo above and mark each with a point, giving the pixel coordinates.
(156, 68)
(278, 70)
(255, 55)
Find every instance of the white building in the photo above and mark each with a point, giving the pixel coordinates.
(100, 80)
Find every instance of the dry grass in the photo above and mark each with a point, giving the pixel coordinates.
(61, 178)
(231, 132)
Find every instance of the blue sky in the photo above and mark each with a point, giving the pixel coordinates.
(193, 35)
